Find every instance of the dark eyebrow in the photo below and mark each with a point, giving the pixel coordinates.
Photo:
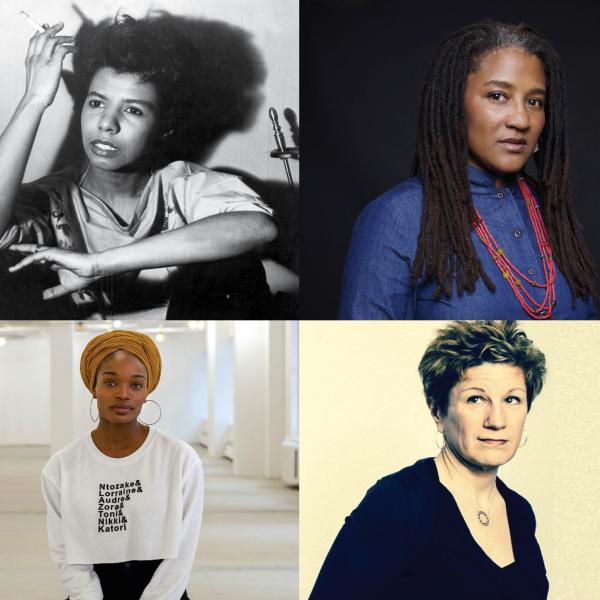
(113, 373)
(484, 391)
(498, 83)
(149, 105)
(509, 86)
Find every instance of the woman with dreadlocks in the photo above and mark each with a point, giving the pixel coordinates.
(470, 235)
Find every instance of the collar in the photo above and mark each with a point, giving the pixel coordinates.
(484, 182)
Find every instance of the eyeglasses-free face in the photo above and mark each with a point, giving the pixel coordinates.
(118, 120)
(505, 110)
(121, 387)
(486, 414)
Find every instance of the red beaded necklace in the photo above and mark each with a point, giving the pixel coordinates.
(513, 276)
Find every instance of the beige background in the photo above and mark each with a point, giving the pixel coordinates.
(363, 416)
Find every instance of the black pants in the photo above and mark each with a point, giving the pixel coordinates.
(127, 581)
(234, 288)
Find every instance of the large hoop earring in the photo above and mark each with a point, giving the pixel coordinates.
(443, 440)
(523, 443)
(91, 417)
(159, 413)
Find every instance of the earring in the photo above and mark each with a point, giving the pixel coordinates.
(523, 442)
(159, 413)
(443, 439)
(91, 417)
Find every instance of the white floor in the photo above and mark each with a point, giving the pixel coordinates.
(248, 544)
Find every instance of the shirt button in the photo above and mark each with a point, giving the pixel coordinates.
(518, 233)
(500, 195)
(531, 271)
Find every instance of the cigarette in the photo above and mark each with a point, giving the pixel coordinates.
(33, 23)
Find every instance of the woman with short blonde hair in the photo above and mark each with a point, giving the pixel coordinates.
(448, 527)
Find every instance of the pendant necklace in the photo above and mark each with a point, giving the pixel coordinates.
(483, 516)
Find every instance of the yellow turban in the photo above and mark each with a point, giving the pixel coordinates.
(136, 343)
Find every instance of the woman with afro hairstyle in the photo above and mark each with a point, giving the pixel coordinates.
(128, 231)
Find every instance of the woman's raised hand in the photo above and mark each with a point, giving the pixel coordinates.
(44, 62)
(76, 270)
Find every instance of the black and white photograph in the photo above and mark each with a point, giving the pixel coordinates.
(120, 123)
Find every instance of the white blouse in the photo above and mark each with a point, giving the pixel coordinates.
(145, 506)
(57, 210)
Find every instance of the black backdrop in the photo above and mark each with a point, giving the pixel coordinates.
(362, 65)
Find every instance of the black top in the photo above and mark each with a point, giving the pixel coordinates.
(407, 539)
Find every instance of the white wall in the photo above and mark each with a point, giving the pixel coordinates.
(272, 23)
(292, 414)
(181, 392)
(251, 397)
(44, 401)
(231, 373)
(25, 395)
(221, 374)
(259, 397)
(276, 400)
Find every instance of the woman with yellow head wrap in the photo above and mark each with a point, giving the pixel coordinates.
(138, 344)
(120, 368)
(125, 501)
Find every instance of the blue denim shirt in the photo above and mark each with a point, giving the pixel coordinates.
(376, 281)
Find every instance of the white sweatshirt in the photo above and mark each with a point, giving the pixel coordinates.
(145, 506)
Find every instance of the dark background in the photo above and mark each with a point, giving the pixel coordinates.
(362, 66)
